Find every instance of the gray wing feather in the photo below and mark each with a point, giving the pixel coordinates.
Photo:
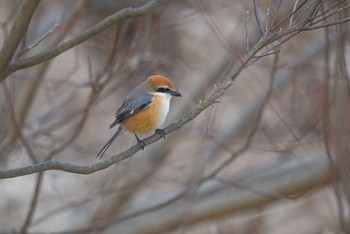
(132, 104)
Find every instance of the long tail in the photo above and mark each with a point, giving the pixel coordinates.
(109, 143)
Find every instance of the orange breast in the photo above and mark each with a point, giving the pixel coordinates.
(149, 119)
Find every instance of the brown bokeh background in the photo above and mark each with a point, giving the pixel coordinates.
(284, 120)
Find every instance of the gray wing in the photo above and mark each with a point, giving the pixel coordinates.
(131, 105)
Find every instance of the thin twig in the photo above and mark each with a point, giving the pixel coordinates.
(258, 113)
(246, 31)
(33, 203)
(78, 129)
(29, 95)
(276, 13)
(327, 13)
(267, 22)
(267, 54)
(17, 127)
(257, 17)
(39, 40)
(213, 24)
(326, 16)
(307, 28)
(292, 16)
(311, 13)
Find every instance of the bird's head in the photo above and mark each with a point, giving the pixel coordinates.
(161, 84)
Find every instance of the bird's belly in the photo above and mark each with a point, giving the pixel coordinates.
(149, 119)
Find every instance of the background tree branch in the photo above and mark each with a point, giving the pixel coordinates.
(19, 31)
(274, 137)
(16, 35)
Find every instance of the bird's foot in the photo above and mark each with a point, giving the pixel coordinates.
(160, 132)
(140, 142)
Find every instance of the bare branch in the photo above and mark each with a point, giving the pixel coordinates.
(73, 168)
(234, 198)
(288, 179)
(214, 185)
(29, 96)
(91, 32)
(16, 35)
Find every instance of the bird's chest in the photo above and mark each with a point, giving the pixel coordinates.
(162, 110)
(151, 118)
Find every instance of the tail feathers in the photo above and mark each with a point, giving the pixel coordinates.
(114, 123)
(109, 143)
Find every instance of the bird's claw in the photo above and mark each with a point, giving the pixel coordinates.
(160, 132)
(142, 144)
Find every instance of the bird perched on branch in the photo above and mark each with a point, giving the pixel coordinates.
(144, 109)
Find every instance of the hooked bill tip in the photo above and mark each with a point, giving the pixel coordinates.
(176, 93)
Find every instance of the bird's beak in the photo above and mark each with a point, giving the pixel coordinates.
(175, 93)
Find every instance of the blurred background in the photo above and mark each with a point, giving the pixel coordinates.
(272, 156)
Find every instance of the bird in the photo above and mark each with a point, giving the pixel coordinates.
(143, 110)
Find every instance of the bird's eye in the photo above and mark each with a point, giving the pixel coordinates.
(163, 90)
